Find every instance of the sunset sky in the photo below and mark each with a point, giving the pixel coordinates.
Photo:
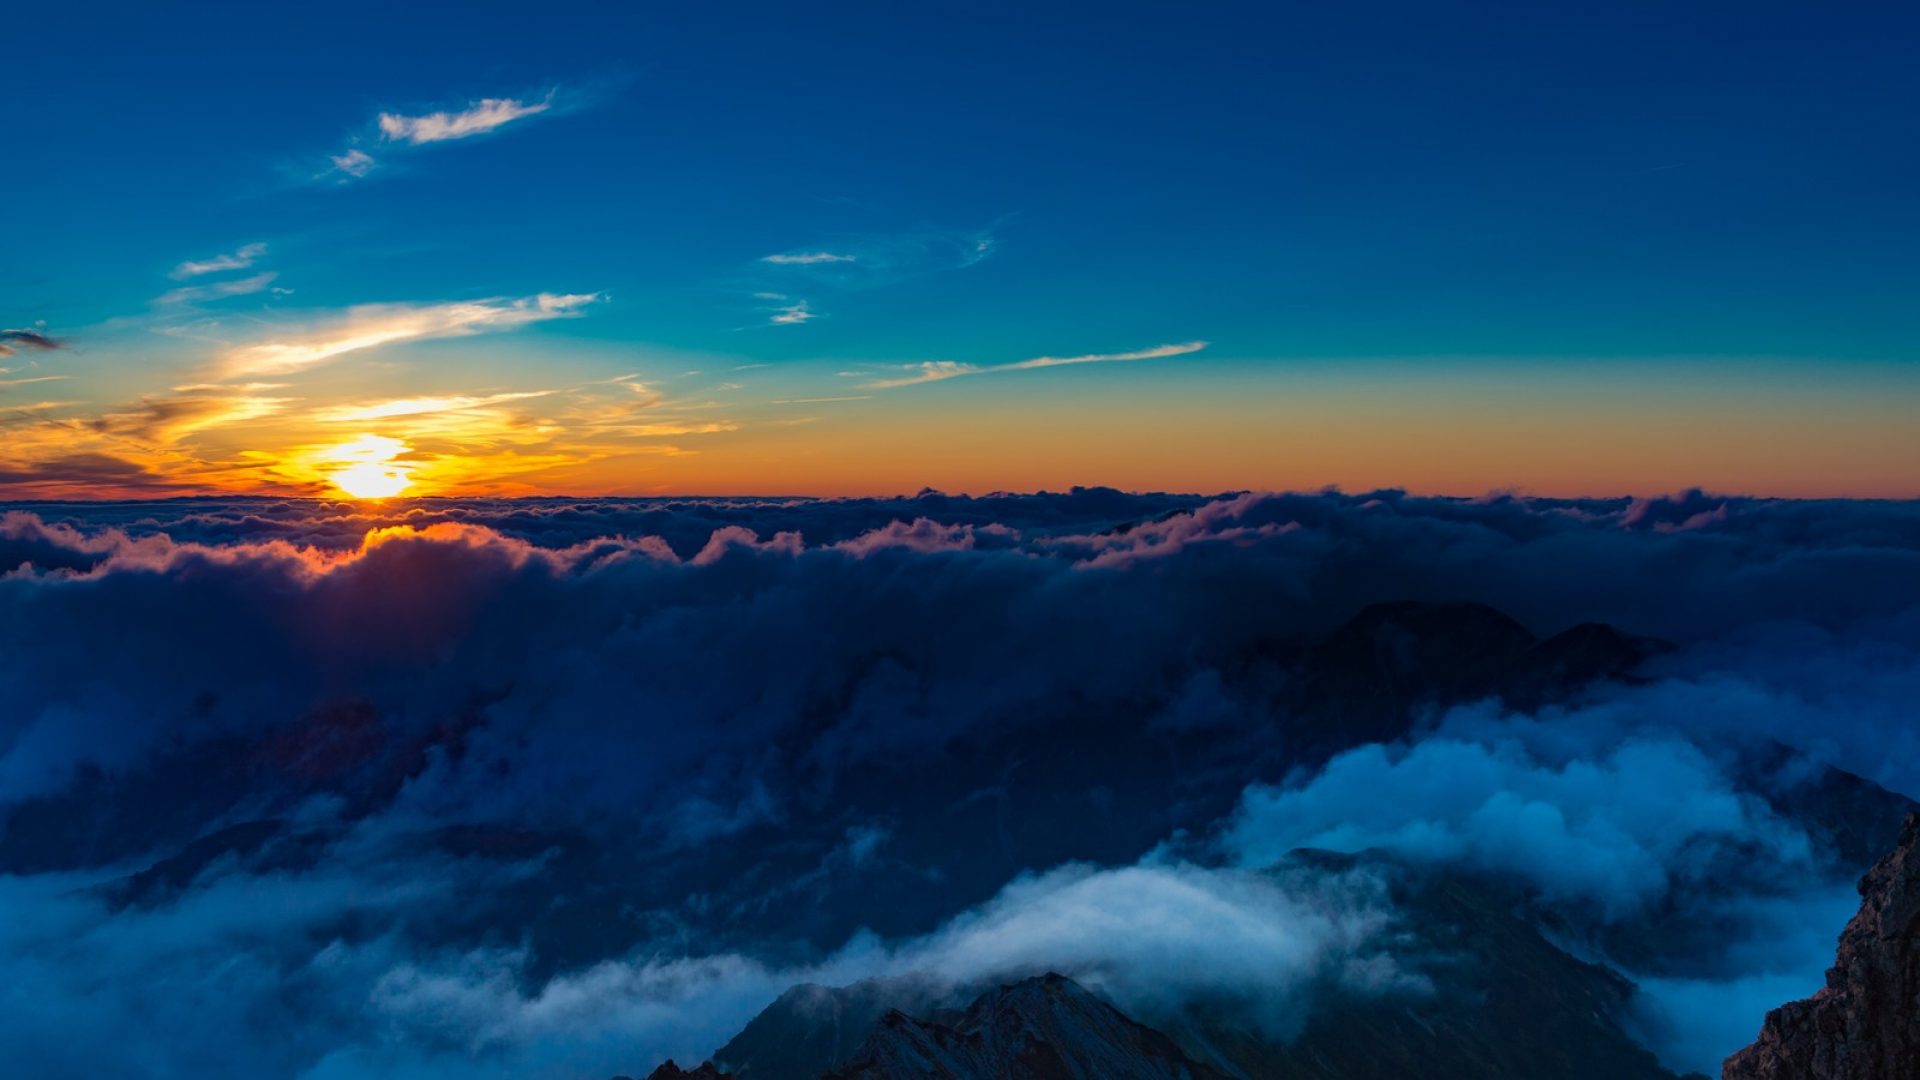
(645, 249)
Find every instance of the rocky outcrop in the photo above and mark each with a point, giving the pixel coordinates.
(1865, 1023)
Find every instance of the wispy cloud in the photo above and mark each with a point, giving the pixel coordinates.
(168, 419)
(807, 258)
(12, 341)
(793, 314)
(477, 118)
(853, 263)
(4, 383)
(873, 260)
(370, 325)
(400, 132)
(940, 370)
(194, 294)
(238, 260)
(679, 427)
(420, 406)
(355, 163)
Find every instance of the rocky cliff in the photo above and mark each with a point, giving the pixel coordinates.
(1865, 1023)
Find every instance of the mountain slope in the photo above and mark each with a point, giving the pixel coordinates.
(1506, 1003)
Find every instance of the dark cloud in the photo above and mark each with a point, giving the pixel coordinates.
(79, 473)
(12, 341)
(566, 785)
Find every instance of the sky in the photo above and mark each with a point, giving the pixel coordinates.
(866, 249)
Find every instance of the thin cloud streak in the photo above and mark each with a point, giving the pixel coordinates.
(807, 258)
(193, 294)
(941, 370)
(238, 260)
(383, 410)
(370, 325)
(478, 118)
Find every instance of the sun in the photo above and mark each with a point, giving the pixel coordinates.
(371, 481)
(366, 468)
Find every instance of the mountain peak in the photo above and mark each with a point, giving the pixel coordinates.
(1043, 1028)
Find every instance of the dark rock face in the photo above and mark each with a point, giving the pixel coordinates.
(1865, 1023)
(1045, 1028)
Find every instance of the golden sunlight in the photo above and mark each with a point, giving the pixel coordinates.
(366, 469)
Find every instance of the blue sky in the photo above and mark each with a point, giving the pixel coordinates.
(1715, 200)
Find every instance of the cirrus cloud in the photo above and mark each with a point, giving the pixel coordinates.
(477, 118)
(367, 326)
(807, 258)
(940, 370)
(239, 259)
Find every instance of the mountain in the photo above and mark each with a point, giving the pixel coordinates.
(1374, 676)
(813, 1029)
(1505, 1004)
(1865, 1023)
(1044, 1028)
(671, 1071)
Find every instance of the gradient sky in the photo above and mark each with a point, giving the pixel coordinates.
(841, 249)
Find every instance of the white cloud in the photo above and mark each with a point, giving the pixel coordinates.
(806, 258)
(480, 117)
(355, 163)
(793, 314)
(370, 325)
(384, 410)
(938, 370)
(239, 260)
(1152, 936)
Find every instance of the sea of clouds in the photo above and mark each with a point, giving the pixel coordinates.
(460, 714)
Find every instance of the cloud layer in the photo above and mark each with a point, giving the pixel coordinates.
(559, 787)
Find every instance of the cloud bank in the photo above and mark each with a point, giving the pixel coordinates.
(561, 787)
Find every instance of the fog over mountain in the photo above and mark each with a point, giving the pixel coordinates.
(562, 788)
